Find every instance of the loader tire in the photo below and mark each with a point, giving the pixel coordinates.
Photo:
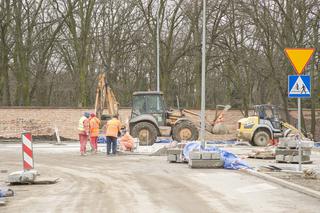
(185, 131)
(261, 138)
(146, 132)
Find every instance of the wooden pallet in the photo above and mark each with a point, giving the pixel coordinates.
(294, 162)
(262, 157)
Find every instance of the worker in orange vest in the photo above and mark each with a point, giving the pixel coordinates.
(94, 125)
(83, 132)
(126, 141)
(113, 127)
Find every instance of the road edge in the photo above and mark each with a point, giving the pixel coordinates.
(284, 183)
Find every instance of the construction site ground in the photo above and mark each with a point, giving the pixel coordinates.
(293, 177)
(141, 183)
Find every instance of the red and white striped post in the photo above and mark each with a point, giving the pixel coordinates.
(27, 151)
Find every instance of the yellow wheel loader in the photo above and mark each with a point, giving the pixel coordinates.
(264, 125)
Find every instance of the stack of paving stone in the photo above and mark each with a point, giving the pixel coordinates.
(287, 151)
(205, 160)
(175, 155)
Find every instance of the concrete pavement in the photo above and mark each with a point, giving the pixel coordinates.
(96, 183)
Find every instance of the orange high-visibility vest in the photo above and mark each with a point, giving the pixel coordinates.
(94, 127)
(113, 127)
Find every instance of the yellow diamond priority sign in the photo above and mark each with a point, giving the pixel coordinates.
(299, 57)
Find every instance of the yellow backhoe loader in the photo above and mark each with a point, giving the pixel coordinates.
(264, 125)
(149, 116)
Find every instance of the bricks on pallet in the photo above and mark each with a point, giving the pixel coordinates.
(292, 143)
(172, 158)
(286, 152)
(205, 163)
(195, 155)
(174, 151)
(303, 158)
(179, 159)
(306, 151)
(279, 157)
(283, 142)
(288, 158)
(216, 156)
(206, 156)
(307, 144)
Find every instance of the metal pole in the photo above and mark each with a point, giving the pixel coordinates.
(158, 49)
(203, 76)
(299, 128)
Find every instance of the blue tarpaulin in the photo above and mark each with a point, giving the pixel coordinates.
(164, 140)
(230, 160)
(222, 142)
(4, 192)
(102, 139)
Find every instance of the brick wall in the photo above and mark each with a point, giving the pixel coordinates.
(42, 121)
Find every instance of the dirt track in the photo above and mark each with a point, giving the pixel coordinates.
(141, 184)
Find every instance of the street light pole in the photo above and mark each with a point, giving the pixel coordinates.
(203, 77)
(158, 49)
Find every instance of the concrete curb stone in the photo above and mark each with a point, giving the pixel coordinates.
(284, 183)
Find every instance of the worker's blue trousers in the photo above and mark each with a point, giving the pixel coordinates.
(111, 143)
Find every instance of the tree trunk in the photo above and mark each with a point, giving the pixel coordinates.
(314, 79)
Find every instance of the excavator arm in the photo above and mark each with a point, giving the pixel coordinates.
(292, 129)
(105, 98)
(210, 124)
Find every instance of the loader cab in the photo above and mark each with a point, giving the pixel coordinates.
(150, 103)
(268, 114)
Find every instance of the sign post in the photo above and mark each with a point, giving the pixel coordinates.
(203, 78)
(299, 86)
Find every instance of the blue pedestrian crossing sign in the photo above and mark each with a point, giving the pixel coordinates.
(299, 86)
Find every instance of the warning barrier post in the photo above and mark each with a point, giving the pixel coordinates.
(27, 151)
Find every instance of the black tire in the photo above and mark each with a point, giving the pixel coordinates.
(186, 131)
(146, 132)
(261, 138)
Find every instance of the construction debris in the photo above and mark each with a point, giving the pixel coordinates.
(29, 177)
(287, 150)
(2, 201)
(22, 177)
(311, 174)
